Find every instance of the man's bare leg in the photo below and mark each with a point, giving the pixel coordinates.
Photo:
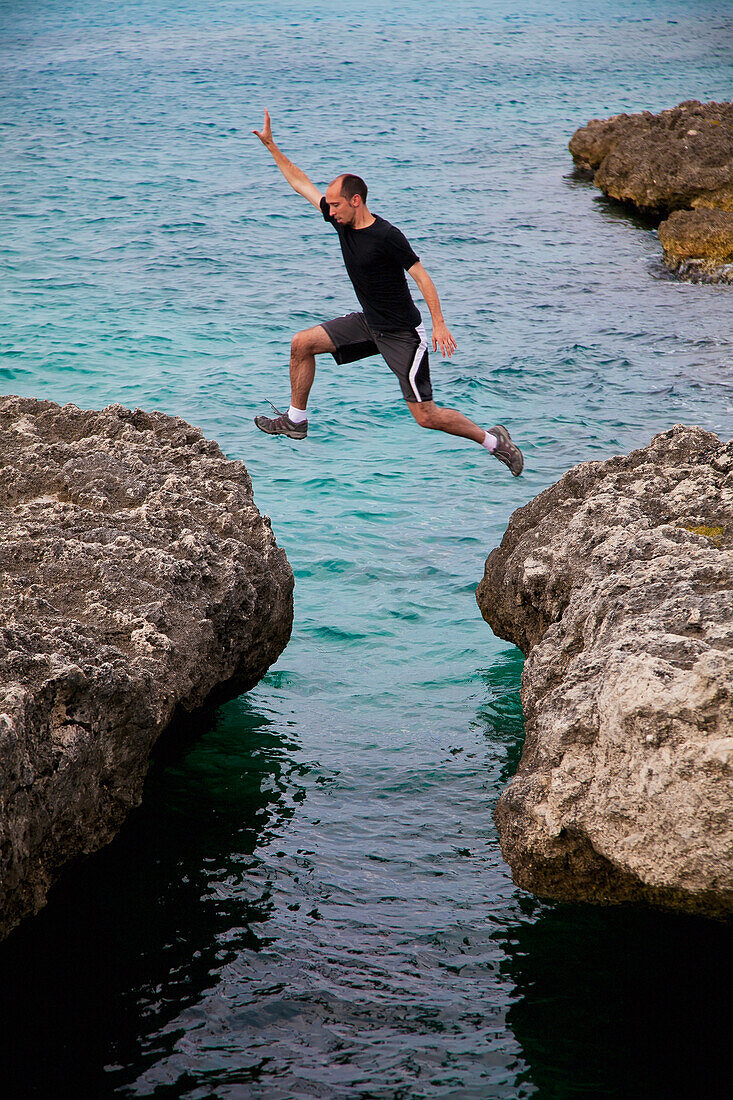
(497, 440)
(304, 348)
(430, 415)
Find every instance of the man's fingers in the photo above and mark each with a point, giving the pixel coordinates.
(446, 344)
(266, 130)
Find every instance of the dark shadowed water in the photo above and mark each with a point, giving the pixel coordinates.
(311, 901)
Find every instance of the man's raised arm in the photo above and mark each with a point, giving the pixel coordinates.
(295, 177)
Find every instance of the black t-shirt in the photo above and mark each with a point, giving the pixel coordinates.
(376, 259)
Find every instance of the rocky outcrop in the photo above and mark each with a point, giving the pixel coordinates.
(674, 160)
(698, 244)
(617, 582)
(681, 159)
(138, 581)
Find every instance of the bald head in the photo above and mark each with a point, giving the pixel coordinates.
(349, 186)
(346, 197)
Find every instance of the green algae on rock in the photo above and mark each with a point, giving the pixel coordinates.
(615, 584)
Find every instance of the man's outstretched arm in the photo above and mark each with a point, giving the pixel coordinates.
(295, 177)
(441, 336)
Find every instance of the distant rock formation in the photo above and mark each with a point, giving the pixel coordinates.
(698, 244)
(681, 159)
(138, 581)
(617, 582)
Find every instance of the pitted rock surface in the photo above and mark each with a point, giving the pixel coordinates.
(139, 580)
(680, 159)
(617, 582)
(677, 159)
(698, 244)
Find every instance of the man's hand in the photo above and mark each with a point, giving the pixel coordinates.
(295, 177)
(265, 135)
(441, 336)
(443, 339)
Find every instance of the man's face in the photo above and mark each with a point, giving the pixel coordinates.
(343, 210)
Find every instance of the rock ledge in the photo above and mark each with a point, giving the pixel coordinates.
(678, 160)
(617, 582)
(139, 580)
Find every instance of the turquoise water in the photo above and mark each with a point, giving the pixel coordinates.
(312, 901)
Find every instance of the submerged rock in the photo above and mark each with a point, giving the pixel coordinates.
(617, 582)
(680, 159)
(139, 581)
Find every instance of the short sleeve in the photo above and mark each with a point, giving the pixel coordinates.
(325, 211)
(400, 248)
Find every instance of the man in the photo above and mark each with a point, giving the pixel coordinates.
(376, 255)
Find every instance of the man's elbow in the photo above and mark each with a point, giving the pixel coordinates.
(425, 285)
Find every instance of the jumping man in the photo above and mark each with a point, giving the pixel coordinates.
(376, 255)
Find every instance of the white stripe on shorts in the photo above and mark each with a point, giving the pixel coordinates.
(422, 348)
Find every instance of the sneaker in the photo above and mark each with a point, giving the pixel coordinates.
(506, 451)
(282, 425)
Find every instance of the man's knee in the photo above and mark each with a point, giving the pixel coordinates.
(301, 343)
(426, 414)
(311, 341)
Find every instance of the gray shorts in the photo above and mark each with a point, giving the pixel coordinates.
(405, 352)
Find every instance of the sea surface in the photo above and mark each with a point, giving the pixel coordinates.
(311, 901)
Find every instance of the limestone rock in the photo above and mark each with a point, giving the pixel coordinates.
(698, 244)
(138, 581)
(591, 144)
(677, 160)
(617, 582)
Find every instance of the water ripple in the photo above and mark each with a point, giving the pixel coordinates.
(312, 901)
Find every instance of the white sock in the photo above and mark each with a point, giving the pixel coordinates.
(490, 442)
(297, 416)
